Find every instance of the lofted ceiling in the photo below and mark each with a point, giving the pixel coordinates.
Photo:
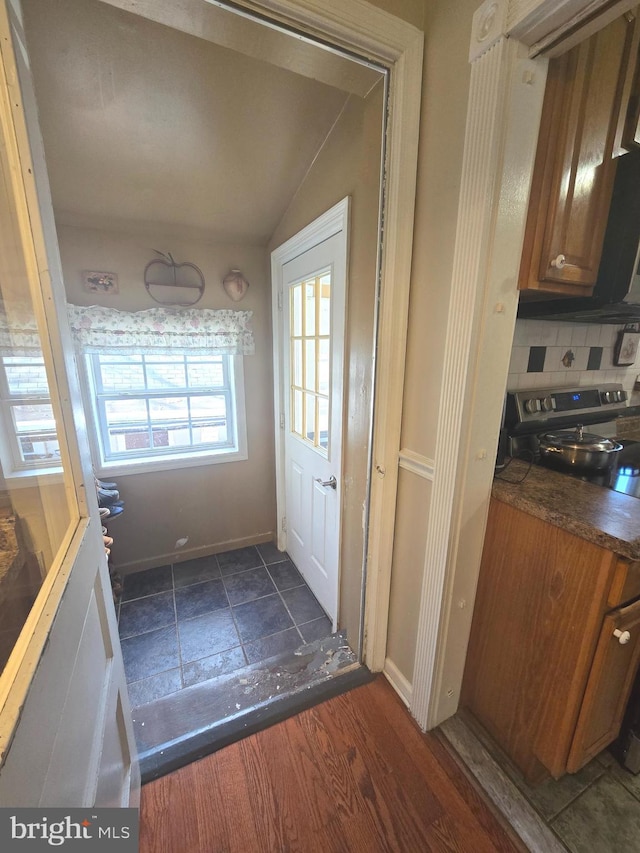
(151, 129)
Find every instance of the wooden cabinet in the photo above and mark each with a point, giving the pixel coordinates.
(610, 679)
(586, 99)
(546, 675)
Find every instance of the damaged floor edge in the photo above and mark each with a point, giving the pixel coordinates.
(183, 727)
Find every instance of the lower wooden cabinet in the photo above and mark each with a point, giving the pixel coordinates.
(614, 666)
(546, 674)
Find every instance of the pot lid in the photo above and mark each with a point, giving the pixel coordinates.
(578, 439)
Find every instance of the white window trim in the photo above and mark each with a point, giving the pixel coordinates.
(122, 467)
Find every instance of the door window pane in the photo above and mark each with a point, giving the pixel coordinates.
(38, 509)
(309, 365)
(310, 417)
(323, 367)
(324, 323)
(296, 312)
(310, 308)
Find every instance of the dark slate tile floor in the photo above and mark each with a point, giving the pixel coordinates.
(189, 622)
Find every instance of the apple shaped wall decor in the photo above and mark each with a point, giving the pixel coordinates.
(171, 283)
(235, 285)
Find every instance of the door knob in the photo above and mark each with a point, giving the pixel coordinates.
(331, 483)
(623, 636)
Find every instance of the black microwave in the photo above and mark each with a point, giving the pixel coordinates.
(616, 295)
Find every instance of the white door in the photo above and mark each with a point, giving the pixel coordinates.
(311, 280)
(66, 737)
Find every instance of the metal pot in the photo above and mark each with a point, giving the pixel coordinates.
(578, 449)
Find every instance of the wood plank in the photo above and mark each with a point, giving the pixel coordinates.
(352, 774)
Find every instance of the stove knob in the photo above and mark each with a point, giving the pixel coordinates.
(547, 404)
(532, 406)
(607, 396)
(622, 396)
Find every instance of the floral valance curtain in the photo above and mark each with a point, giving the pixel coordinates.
(19, 333)
(202, 331)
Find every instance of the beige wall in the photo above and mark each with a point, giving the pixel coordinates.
(411, 11)
(218, 506)
(444, 107)
(349, 164)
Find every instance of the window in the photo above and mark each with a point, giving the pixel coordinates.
(167, 408)
(310, 313)
(29, 430)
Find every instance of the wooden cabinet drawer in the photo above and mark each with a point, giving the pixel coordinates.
(626, 582)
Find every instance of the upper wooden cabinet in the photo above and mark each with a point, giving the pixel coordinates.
(583, 115)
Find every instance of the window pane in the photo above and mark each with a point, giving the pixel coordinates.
(323, 422)
(323, 366)
(297, 412)
(166, 374)
(310, 365)
(122, 377)
(310, 308)
(127, 411)
(208, 408)
(310, 417)
(296, 309)
(324, 321)
(169, 409)
(297, 363)
(34, 418)
(26, 376)
(205, 375)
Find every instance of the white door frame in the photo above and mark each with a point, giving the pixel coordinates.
(332, 222)
(503, 119)
(374, 34)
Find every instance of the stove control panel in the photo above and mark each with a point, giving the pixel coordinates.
(527, 411)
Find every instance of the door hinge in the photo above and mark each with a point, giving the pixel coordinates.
(282, 420)
(279, 300)
(284, 523)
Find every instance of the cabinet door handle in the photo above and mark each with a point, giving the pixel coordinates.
(623, 636)
(560, 262)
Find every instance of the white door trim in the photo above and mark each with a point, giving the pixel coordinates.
(503, 119)
(376, 35)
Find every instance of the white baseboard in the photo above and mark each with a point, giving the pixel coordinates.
(397, 680)
(191, 553)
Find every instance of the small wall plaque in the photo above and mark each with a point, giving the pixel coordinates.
(626, 348)
(100, 282)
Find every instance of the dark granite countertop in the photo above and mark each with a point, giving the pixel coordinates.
(594, 513)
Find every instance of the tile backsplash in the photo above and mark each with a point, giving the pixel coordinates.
(547, 353)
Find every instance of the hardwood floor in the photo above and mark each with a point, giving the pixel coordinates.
(351, 774)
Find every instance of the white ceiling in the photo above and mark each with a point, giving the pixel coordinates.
(150, 129)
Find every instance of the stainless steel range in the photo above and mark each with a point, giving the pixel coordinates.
(562, 414)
